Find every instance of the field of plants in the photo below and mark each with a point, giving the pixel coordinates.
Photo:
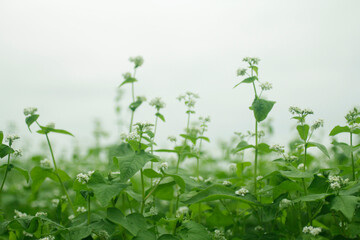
(136, 190)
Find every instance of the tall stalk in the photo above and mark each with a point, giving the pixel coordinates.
(6, 172)
(57, 174)
(352, 156)
(133, 100)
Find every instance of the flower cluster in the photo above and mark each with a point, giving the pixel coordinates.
(242, 191)
(55, 202)
(312, 230)
(266, 86)
(336, 182)
(251, 61)
(19, 214)
(189, 99)
(18, 152)
(219, 235)
(352, 116)
(152, 212)
(11, 138)
(50, 237)
(138, 61)
(45, 163)
(157, 103)
(241, 71)
(164, 166)
(143, 126)
(300, 113)
(84, 177)
(198, 179)
(30, 111)
(278, 148)
(300, 166)
(284, 203)
(182, 211)
(133, 136)
(317, 124)
(226, 183)
(81, 209)
(41, 214)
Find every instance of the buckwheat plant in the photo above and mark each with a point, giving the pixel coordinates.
(260, 107)
(352, 127)
(7, 150)
(32, 117)
(130, 78)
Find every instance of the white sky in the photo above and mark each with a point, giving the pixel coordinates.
(67, 58)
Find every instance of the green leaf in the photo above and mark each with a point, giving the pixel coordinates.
(5, 150)
(345, 204)
(303, 131)
(312, 197)
(167, 237)
(132, 163)
(134, 105)
(144, 235)
(128, 80)
(320, 147)
(216, 192)
(104, 191)
(31, 119)
(38, 175)
(242, 146)
(193, 230)
(296, 174)
(159, 115)
(339, 129)
(204, 138)
(133, 222)
(150, 173)
(45, 130)
(261, 108)
(247, 80)
(179, 180)
(255, 69)
(23, 172)
(1, 136)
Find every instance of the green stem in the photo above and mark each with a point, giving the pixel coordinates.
(131, 121)
(352, 156)
(133, 100)
(142, 191)
(88, 219)
(256, 157)
(6, 173)
(57, 174)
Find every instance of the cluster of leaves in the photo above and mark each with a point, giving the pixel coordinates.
(134, 190)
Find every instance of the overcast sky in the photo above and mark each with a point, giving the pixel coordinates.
(67, 58)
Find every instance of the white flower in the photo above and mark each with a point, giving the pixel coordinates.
(48, 238)
(258, 178)
(300, 166)
(278, 148)
(39, 214)
(335, 185)
(209, 179)
(71, 217)
(138, 61)
(312, 230)
(152, 212)
(259, 228)
(285, 203)
(172, 138)
(29, 111)
(242, 191)
(55, 202)
(82, 178)
(241, 71)
(45, 163)
(64, 198)
(157, 103)
(164, 165)
(11, 138)
(26, 234)
(219, 235)
(265, 86)
(226, 183)
(19, 214)
(156, 181)
(317, 124)
(81, 209)
(18, 153)
(50, 125)
(182, 211)
(232, 167)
